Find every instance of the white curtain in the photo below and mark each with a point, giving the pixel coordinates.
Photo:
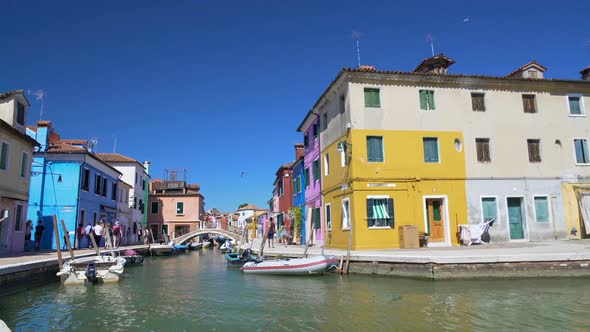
(585, 207)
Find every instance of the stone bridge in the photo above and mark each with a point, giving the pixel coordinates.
(186, 237)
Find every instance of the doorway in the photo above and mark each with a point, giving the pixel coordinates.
(436, 220)
(155, 228)
(515, 217)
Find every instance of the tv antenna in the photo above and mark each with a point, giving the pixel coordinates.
(357, 37)
(40, 95)
(430, 40)
(94, 142)
(115, 144)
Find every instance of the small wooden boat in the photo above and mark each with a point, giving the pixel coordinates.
(92, 269)
(195, 246)
(220, 239)
(235, 259)
(311, 265)
(180, 247)
(132, 257)
(161, 249)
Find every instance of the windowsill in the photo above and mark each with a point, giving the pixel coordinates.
(577, 115)
(484, 162)
(370, 161)
(587, 164)
(534, 162)
(432, 162)
(431, 109)
(373, 107)
(346, 229)
(180, 215)
(380, 227)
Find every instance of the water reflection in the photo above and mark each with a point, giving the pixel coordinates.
(197, 291)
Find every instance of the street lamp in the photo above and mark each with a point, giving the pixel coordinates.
(35, 173)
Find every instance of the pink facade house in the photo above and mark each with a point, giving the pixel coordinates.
(312, 161)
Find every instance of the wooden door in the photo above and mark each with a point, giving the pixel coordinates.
(436, 223)
(515, 218)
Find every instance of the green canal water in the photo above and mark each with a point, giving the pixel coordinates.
(196, 291)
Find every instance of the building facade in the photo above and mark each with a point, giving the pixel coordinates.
(283, 196)
(16, 155)
(299, 194)
(124, 214)
(437, 150)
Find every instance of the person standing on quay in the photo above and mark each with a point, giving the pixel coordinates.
(28, 233)
(98, 233)
(80, 235)
(117, 234)
(39, 229)
(271, 233)
(88, 229)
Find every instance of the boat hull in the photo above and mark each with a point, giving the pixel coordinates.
(133, 260)
(161, 250)
(107, 269)
(296, 266)
(180, 248)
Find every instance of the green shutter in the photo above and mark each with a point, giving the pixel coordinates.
(372, 98)
(374, 149)
(422, 99)
(426, 99)
(436, 210)
(542, 209)
(431, 99)
(370, 217)
(430, 149)
(316, 169)
(307, 180)
(390, 212)
(316, 219)
(4, 156)
(489, 207)
(581, 151)
(575, 105)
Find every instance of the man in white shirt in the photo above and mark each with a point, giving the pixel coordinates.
(88, 240)
(98, 233)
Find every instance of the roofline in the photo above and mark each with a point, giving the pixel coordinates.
(21, 136)
(85, 153)
(340, 74)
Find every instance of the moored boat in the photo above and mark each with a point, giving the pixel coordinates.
(195, 246)
(235, 259)
(180, 247)
(161, 249)
(132, 257)
(92, 269)
(310, 265)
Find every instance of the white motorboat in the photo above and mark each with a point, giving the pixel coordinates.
(161, 249)
(205, 244)
(227, 246)
(195, 246)
(311, 265)
(92, 269)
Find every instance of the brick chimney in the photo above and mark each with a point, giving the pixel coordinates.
(299, 147)
(585, 73)
(436, 65)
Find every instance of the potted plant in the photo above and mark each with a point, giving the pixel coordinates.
(297, 217)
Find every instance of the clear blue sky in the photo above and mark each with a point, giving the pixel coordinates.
(219, 87)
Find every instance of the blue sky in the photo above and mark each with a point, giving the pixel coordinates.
(219, 87)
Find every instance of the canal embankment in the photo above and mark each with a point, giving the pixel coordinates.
(31, 269)
(505, 260)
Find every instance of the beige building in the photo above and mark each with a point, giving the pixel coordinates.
(174, 207)
(16, 155)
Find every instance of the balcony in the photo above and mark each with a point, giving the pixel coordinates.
(168, 185)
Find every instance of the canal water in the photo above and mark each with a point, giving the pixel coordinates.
(196, 291)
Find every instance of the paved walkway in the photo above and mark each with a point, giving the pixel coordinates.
(573, 250)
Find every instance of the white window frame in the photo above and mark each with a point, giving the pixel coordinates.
(27, 167)
(382, 149)
(7, 169)
(327, 207)
(181, 213)
(582, 106)
(347, 215)
(437, 150)
(343, 155)
(549, 210)
(372, 107)
(496, 198)
(326, 164)
(574, 147)
(379, 197)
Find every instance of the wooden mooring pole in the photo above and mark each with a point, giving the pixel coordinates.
(57, 242)
(67, 236)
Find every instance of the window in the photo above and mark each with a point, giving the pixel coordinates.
(279, 220)
(346, 213)
(342, 108)
(136, 178)
(315, 130)
(534, 150)
(306, 175)
(532, 74)
(305, 141)
(325, 121)
(97, 183)
(82, 217)
(482, 146)
(20, 114)
(375, 148)
(541, 208)
(179, 208)
(317, 218)
(528, 102)
(581, 148)
(489, 208)
(95, 217)
(280, 187)
(114, 192)
(329, 216)
(4, 150)
(316, 169)
(477, 102)
(430, 149)
(575, 105)
(326, 164)
(143, 184)
(155, 207)
(18, 223)
(372, 98)
(380, 212)
(300, 180)
(135, 202)
(105, 184)
(24, 166)
(343, 155)
(86, 179)
(426, 99)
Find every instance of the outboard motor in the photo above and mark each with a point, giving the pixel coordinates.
(91, 273)
(246, 255)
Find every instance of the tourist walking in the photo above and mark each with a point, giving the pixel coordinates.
(271, 233)
(117, 234)
(80, 235)
(108, 240)
(39, 229)
(28, 233)
(98, 233)
(88, 229)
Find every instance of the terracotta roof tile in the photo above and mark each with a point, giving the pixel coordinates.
(434, 59)
(11, 93)
(7, 128)
(33, 128)
(115, 158)
(43, 123)
(74, 141)
(59, 147)
(532, 63)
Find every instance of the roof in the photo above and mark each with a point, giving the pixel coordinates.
(116, 158)
(61, 147)
(249, 207)
(533, 63)
(441, 58)
(43, 123)
(23, 137)
(9, 94)
(585, 70)
(75, 141)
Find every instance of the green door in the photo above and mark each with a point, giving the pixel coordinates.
(515, 218)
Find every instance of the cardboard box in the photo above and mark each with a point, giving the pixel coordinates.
(409, 237)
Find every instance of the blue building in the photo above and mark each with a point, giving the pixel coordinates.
(299, 192)
(68, 180)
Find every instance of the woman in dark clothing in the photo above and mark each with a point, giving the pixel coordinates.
(39, 229)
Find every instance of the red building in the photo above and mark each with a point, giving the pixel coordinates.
(283, 191)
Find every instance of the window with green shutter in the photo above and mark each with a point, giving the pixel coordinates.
(575, 106)
(316, 169)
(24, 166)
(489, 208)
(581, 147)
(375, 148)
(380, 212)
(430, 149)
(426, 99)
(4, 156)
(329, 216)
(372, 98)
(542, 208)
(306, 175)
(316, 218)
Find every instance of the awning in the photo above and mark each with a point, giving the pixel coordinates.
(380, 210)
(108, 208)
